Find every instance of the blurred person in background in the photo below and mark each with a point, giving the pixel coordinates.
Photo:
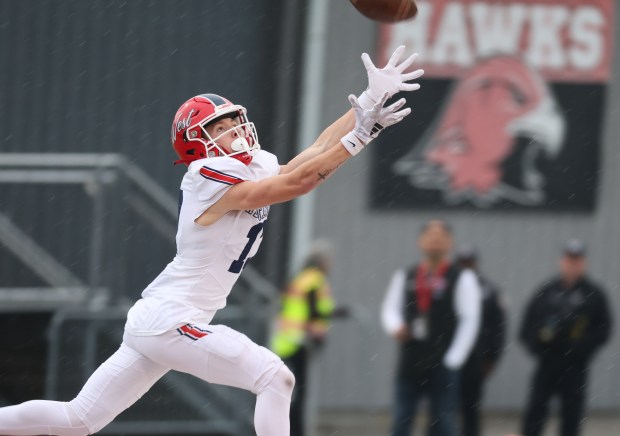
(488, 348)
(224, 202)
(432, 309)
(565, 323)
(303, 323)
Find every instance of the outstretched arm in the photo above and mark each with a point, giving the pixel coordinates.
(284, 187)
(329, 138)
(312, 173)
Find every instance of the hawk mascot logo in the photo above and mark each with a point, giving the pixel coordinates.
(501, 112)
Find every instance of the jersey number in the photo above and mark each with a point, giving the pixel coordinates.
(237, 265)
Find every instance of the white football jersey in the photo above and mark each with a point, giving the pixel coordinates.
(210, 258)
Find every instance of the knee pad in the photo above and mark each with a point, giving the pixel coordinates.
(78, 428)
(282, 383)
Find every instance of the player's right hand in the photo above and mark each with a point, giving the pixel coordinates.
(402, 334)
(391, 78)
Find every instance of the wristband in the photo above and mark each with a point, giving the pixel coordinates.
(352, 143)
(365, 101)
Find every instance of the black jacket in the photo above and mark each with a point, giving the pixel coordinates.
(566, 324)
(492, 336)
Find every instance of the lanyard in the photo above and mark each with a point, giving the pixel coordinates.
(425, 283)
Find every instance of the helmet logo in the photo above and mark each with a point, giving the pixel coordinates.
(184, 123)
(192, 141)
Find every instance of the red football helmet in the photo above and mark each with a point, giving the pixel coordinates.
(189, 134)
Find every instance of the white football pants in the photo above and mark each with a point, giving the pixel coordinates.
(214, 353)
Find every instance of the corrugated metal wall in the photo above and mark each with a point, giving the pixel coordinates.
(519, 251)
(108, 76)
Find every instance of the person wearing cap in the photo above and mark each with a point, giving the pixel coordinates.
(432, 310)
(564, 325)
(488, 348)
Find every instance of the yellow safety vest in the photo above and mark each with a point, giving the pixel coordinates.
(294, 320)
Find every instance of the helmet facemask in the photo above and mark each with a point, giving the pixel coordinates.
(244, 146)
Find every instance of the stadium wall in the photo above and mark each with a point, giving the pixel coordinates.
(518, 250)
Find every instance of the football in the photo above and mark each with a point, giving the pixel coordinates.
(386, 11)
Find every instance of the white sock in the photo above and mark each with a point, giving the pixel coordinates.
(40, 417)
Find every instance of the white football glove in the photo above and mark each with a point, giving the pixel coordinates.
(391, 115)
(390, 78)
(370, 122)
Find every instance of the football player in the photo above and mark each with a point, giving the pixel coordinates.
(224, 202)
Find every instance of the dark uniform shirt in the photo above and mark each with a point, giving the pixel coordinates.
(566, 323)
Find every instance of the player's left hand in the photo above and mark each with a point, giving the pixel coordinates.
(370, 122)
(392, 114)
(391, 78)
